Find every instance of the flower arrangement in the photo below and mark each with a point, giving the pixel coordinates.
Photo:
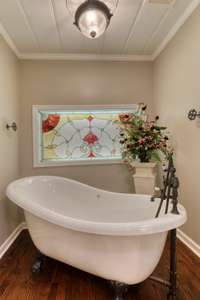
(142, 139)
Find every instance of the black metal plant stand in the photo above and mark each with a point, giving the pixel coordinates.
(168, 193)
(173, 271)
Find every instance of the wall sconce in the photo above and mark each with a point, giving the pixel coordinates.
(13, 126)
(193, 114)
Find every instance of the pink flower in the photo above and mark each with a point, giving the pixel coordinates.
(141, 141)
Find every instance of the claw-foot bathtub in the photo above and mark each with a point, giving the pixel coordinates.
(114, 236)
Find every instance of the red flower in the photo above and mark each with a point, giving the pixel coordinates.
(50, 123)
(90, 138)
(91, 154)
(141, 141)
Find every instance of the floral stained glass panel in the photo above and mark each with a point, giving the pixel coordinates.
(71, 136)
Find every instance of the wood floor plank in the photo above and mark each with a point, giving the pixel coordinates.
(61, 282)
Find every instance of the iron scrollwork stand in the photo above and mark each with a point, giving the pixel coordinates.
(170, 192)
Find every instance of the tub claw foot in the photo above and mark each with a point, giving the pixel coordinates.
(120, 289)
(38, 265)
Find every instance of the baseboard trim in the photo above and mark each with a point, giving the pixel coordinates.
(10, 240)
(192, 245)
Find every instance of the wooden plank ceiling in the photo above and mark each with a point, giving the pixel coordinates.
(45, 26)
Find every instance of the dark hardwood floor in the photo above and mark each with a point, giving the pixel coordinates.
(61, 282)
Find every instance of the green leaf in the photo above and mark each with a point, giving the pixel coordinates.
(155, 156)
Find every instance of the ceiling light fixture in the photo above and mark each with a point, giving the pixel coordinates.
(92, 17)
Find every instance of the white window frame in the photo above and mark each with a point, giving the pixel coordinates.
(37, 161)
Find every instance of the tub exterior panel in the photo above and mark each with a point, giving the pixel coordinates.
(128, 259)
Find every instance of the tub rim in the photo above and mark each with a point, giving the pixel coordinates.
(144, 227)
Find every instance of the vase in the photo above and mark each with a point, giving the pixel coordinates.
(144, 177)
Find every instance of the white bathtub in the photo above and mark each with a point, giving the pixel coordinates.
(111, 235)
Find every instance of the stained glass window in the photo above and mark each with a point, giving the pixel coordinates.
(64, 135)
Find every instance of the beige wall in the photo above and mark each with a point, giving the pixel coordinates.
(9, 106)
(176, 90)
(81, 83)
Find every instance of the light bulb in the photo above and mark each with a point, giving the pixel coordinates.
(92, 23)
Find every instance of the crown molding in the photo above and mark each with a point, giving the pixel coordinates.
(102, 57)
(187, 13)
(83, 57)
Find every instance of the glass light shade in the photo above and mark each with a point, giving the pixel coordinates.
(92, 17)
(73, 5)
(93, 23)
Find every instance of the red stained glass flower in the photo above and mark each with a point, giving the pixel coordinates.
(91, 154)
(50, 123)
(90, 138)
